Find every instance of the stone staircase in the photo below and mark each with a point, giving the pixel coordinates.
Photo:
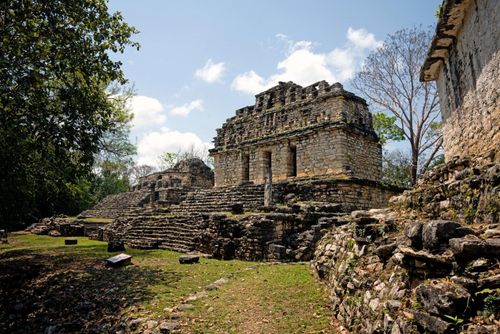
(149, 231)
(115, 205)
(220, 200)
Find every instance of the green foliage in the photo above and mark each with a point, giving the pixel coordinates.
(396, 169)
(455, 321)
(56, 108)
(386, 128)
(491, 301)
(167, 160)
(111, 179)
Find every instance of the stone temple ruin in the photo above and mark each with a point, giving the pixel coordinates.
(315, 144)
(296, 132)
(426, 264)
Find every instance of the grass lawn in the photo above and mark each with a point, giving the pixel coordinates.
(44, 283)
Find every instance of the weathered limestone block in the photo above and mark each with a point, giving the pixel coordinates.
(440, 298)
(189, 259)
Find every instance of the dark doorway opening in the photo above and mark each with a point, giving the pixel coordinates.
(292, 162)
(268, 168)
(245, 172)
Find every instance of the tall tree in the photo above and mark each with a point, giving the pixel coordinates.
(389, 80)
(55, 105)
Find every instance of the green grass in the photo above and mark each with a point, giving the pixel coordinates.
(273, 298)
(270, 298)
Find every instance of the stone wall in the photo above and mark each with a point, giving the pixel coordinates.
(387, 274)
(298, 132)
(463, 189)
(351, 194)
(465, 61)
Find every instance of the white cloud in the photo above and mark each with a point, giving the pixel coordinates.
(187, 108)
(155, 143)
(147, 111)
(211, 72)
(304, 66)
(249, 82)
(362, 38)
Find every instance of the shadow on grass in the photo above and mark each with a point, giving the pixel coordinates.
(64, 293)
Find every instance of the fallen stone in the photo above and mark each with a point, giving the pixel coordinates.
(184, 307)
(490, 233)
(425, 264)
(479, 265)
(491, 282)
(468, 283)
(71, 241)
(431, 323)
(196, 296)
(393, 305)
(189, 259)
(116, 246)
(473, 247)
(175, 315)
(440, 298)
(482, 329)
(134, 323)
(217, 284)
(437, 233)
(54, 233)
(168, 327)
(384, 252)
(119, 260)
(413, 231)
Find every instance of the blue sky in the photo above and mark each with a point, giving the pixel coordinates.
(201, 60)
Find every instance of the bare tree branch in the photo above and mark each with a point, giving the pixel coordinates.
(389, 80)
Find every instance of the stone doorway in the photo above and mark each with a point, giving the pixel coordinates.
(245, 170)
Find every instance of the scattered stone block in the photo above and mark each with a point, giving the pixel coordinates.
(189, 259)
(473, 247)
(184, 307)
(116, 246)
(168, 327)
(54, 233)
(384, 252)
(437, 233)
(443, 298)
(431, 323)
(413, 231)
(217, 284)
(119, 260)
(70, 241)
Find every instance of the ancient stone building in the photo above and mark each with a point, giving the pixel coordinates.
(189, 173)
(317, 143)
(298, 132)
(464, 59)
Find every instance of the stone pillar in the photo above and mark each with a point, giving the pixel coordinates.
(268, 188)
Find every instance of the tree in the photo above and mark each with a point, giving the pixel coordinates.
(56, 107)
(138, 171)
(389, 80)
(386, 128)
(396, 169)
